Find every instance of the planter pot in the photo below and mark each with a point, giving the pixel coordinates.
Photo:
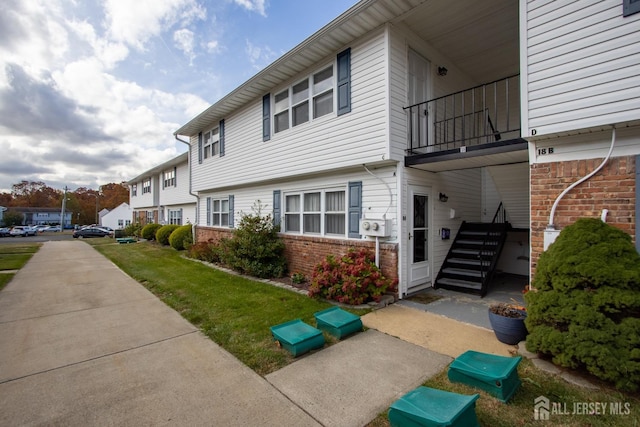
(508, 330)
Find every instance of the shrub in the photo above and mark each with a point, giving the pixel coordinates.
(255, 248)
(133, 230)
(163, 233)
(585, 309)
(181, 238)
(205, 251)
(352, 279)
(149, 231)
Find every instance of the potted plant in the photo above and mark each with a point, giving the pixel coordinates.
(507, 321)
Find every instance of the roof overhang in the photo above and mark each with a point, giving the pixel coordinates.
(181, 159)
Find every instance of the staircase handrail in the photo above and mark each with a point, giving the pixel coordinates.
(500, 217)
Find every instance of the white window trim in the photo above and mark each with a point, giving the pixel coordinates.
(219, 213)
(311, 96)
(169, 178)
(213, 142)
(323, 212)
(146, 188)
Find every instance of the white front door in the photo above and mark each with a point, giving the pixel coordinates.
(419, 221)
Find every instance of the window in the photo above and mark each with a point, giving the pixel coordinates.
(170, 178)
(150, 218)
(293, 105)
(146, 186)
(211, 145)
(120, 223)
(134, 190)
(317, 212)
(220, 212)
(323, 93)
(175, 216)
(310, 98)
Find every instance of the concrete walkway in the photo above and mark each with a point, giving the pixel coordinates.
(81, 343)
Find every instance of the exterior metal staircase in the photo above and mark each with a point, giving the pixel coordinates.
(473, 255)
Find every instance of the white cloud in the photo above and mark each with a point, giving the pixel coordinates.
(183, 40)
(253, 5)
(134, 22)
(259, 57)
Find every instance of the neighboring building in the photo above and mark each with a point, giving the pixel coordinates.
(161, 195)
(43, 216)
(2, 209)
(118, 217)
(408, 115)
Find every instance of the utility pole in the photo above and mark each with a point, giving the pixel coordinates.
(64, 204)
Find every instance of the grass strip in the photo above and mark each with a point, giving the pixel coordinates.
(4, 279)
(233, 311)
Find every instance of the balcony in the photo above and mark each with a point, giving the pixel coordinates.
(471, 128)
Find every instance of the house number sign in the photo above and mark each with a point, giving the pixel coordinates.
(543, 151)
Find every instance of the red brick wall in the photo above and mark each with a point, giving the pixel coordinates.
(304, 252)
(612, 188)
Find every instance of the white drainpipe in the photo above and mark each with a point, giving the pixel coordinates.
(551, 232)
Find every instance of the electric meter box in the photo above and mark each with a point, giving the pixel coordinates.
(375, 227)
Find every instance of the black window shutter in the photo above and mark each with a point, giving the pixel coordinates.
(221, 137)
(355, 208)
(175, 176)
(208, 210)
(231, 210)
(344, 81)
(276, 207)
(200, 147)
(266, 117)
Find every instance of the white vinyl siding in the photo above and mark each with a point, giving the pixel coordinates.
(328, 142)
(582, 69)
(376, 199)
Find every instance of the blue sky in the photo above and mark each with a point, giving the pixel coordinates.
(92, 91)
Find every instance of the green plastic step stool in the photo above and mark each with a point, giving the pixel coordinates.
(426, 406)
(497, 375)
(297, 337)
(338, 322)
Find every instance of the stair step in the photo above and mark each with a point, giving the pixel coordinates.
(473, 233)
(461, 272)
(476, 242)
(459, 283)
(466, 261)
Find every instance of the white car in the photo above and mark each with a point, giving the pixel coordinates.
(22, 230)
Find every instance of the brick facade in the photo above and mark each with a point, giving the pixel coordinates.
(612, 188)
(304, 252)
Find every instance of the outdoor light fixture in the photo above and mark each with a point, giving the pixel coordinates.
(443, 197)
(442, 71)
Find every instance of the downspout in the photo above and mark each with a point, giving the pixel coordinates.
(197, 218)
(551, 233)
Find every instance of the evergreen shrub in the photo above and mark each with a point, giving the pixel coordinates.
(163, 233)
(254, 247)
(133, 229)
(584, 309)
(181, 238)
(352, 279)
(149, 231)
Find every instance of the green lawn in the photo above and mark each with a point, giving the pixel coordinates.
(233, 311)
(13, 256)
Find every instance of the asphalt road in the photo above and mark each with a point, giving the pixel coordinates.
(40, 237)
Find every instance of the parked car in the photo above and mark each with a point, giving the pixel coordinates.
(5, 232)
(53, 228)
(91, 232)
(22, 230)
